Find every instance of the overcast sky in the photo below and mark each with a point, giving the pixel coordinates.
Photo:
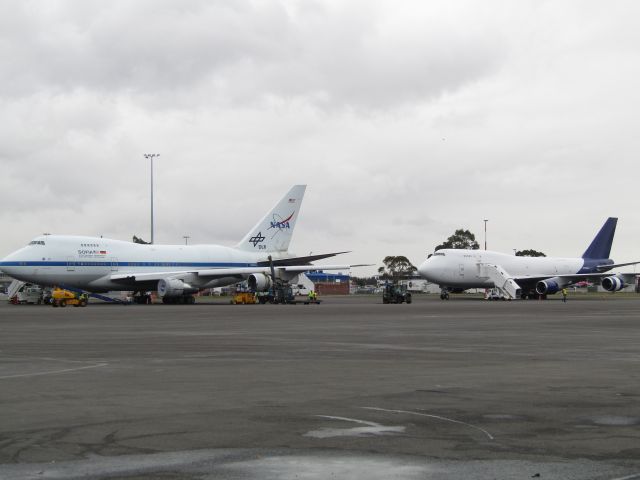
(407, 120)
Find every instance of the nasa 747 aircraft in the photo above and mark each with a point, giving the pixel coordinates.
(524, 277)
(97, 264)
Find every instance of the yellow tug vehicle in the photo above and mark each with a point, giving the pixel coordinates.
(243, 298)
(62, 298)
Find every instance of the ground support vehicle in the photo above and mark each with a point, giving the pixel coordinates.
(280, 293)
(62, 298)
(243, 298)
(393, 293)
(493, 294)
(27, 293)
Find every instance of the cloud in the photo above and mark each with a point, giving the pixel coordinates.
(406, 120)
(243, 52)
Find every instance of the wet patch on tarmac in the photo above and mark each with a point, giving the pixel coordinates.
(236, 464)
(614, 420)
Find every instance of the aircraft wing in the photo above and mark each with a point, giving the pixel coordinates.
(571, 277)
(220, 272)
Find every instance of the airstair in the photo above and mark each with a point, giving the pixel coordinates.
(506, 285)
(14, 288)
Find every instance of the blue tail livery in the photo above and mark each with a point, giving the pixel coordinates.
(600, 247)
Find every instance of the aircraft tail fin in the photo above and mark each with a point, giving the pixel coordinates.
(600, 247)
(273, 233)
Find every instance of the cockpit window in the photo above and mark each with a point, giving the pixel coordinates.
(438, 254)
(36, 242)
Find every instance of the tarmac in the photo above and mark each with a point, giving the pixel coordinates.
(350, 388)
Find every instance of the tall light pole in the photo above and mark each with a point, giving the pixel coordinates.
(186, 239)
(151, 156)
(485, 233)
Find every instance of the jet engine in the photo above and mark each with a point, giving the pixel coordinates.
(259, 282)
(174, 287)
(547, 287)
(613, 283)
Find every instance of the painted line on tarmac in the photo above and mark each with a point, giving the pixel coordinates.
(53, 372)
(49, 359)
(437, 417)
(371, 428)
(355, 420)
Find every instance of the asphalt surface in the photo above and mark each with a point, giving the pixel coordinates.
(347, 389)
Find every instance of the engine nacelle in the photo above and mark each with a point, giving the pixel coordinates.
(613, 284)
(174, 287)
(259, 282)
(547, 287)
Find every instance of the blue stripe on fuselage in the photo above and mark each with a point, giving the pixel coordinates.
(81, 263)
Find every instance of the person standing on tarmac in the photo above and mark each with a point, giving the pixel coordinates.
(564, 295)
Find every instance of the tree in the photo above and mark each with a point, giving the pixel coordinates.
(396, 266)
(461, 239)
(529, 253)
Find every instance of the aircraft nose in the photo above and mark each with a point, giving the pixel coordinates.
(9, 263)
(425, 269)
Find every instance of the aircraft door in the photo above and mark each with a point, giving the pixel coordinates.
(461, 269)
(71, 264)
(114, 264)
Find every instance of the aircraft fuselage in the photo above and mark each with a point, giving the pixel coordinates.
(461, 268)
(89, 262)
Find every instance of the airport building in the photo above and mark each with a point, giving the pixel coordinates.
(325, 283)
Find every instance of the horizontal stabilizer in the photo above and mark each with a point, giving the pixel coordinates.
(603, 268)
(301, 260)
(305, 268)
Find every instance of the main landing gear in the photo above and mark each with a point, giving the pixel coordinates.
(533, 296)
(444, 294)
(142, 299)
(182, 300)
